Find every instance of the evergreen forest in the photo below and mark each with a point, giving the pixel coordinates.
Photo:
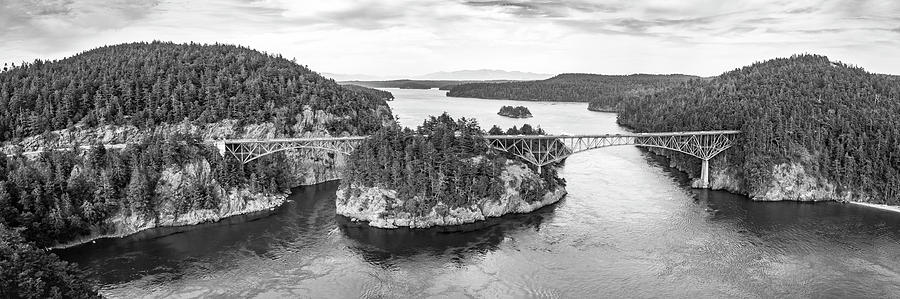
(146, 84)
(838, 121)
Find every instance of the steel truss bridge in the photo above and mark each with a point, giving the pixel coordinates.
(538, 150)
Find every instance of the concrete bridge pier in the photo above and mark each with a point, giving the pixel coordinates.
(704, 174)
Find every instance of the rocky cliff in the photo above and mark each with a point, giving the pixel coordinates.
(382, 208)
(788, 181)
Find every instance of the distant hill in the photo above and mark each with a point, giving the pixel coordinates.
(412, 84)
(461, 75)
(354, 77)
(377, 93)
(483, 75)
(814, 129)
(570, 88)
(145, 84)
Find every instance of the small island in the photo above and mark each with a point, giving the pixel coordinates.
(441, 174)
(515, 112)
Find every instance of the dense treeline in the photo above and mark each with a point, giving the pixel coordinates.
(29, 272)
(444, 160)
(840, 122)
(526, 129)
(515, 112)
(145, 84)
(63, 195)
(376, 93)
(604, 89)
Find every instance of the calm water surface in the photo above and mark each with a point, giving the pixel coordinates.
(629, 227)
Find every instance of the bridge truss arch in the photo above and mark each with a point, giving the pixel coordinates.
(247, 150)
(542, 150)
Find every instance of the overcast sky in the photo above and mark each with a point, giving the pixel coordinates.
(410, 37)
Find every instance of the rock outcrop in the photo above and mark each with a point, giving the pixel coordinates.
(788, 181)
(173, 181)
(381, 207)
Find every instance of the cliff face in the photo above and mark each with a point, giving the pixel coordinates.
(789, 181)
(381, 207)
(792, 181)
(173, 183)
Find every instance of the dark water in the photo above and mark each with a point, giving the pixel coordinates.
(630, 227)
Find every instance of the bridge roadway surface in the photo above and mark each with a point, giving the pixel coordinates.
(538, 150)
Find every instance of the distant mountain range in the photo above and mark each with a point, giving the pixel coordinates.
(462, 75)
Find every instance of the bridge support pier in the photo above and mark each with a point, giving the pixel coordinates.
(704, 174)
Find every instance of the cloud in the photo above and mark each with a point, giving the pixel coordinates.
(54, 23)
(551, 9)
(421, 36)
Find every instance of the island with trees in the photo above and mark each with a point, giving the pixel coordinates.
(515, 112)
(163, 100)
(440, 174)
(814, 129)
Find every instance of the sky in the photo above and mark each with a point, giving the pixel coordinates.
(412, 37)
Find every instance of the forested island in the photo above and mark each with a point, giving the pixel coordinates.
(601, 90)
(163, 100)
(814, 129)
(440, 174)
(515, 112)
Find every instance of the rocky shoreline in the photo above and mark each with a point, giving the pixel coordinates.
(240, 202)
(381, 208)
(790, 182)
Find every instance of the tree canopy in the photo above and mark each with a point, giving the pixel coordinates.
(29, 272)
(145, 84)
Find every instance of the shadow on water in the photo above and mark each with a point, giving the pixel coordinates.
(795, 227)
(304, 223)
(168, 251)
(381, 247)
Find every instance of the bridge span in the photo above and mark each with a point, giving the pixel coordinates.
(538, 150)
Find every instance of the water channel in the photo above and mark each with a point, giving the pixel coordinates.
(630, 227)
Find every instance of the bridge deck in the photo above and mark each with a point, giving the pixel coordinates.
(276, 140)
(666, 134)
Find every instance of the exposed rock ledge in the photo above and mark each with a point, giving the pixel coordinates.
(789, 181)
(239, 202)
(231, 203)
(372, 204)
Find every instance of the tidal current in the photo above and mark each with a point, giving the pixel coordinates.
(629, 227)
